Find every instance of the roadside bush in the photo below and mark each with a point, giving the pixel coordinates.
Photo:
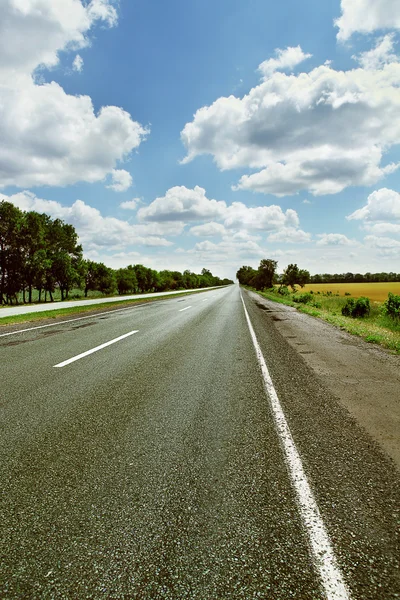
(303, 298)
(284, 290)
(356, 308)
(392, 306)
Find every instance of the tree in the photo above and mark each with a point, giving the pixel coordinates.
(126, 280)
(293, 276)
(264, 278)
(245, 274)
(11, 262)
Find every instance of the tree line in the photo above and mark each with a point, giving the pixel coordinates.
(43, 254)
(355, 277)
(266, 276)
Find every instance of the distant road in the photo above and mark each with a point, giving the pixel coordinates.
(9, 311)
(196, 449)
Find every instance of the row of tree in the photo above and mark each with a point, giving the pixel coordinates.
(43, 254)
(266, 276)
(355, 277)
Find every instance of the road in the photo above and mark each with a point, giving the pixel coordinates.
(175, 463)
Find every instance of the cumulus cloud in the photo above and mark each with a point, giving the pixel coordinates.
(182, 203)
(228, 248)
(237, 219)
(77, 64)
(386, 247)
(366, 16)
(383, 228)
(259, 218)
(290, 235)
(95, 231)
(382, 205)
(121, 180)
(208, 229)
(286, 59)
(320, 131)
(49, 137)
(130, 204)
(334, 239)
(381, 55)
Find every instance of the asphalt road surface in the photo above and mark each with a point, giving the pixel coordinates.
(186, 449)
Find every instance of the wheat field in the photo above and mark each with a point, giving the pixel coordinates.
(376, 292)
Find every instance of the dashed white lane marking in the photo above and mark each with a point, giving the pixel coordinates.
(186, 308)
(79, 356)
(331, 577)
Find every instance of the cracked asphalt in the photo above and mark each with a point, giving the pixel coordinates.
(152, 468)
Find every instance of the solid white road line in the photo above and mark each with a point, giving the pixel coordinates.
(331, 577)
(186, 308)
(79, 356)
(91, 316)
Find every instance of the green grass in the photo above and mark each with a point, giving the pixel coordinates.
(376, 328)
(61, 312)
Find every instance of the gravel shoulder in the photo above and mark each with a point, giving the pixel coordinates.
(364, 378)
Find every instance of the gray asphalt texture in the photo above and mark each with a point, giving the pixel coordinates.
(152, 468)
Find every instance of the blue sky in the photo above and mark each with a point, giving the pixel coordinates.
(207, 134)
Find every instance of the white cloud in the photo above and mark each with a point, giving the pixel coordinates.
(130, 204)
(290, 235)
(208, 229)
(77, 64)
(95, 231)
(382, 205)
(379, 56)
(285, 60)
(380, 229)
(386, 247)
(259, 218)
(334, 239)
(382, 242)
(49, 137)
(366, 16)
(231, 250)
(181, 203)
(34, 32)
(307, 201)
(104, 10)
(237, 222)
(121, 180)
(320, 131)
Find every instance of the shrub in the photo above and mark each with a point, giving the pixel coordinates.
(392, 306)
(284, 290)
(347, 294)
(356, 308)
(303, 298)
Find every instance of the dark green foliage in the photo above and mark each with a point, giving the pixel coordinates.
(283, 290)
(356, 308)
(391, 306)
(357, 278)
(262, 278)
(293, 276)
(37, 252)
(303, 298)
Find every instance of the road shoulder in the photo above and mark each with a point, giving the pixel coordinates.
(364, 378)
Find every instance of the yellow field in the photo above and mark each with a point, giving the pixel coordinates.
(377, 292)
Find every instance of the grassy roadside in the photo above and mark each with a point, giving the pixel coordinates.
(376, 328)
(62, 312)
